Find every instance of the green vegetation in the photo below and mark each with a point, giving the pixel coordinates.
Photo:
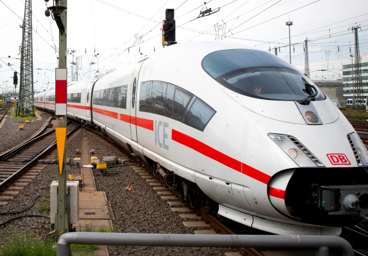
(108, 229)
(355, 114)
(20, 117)
(17, 244)
(26, 245)
(43, 206)
(83, 249)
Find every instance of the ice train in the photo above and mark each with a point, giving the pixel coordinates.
(233, 129)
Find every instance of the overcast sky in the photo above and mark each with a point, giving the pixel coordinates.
(109, 27)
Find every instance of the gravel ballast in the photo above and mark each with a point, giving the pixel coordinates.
(11, 135)
(140, 210)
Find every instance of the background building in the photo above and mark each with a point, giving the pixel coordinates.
(334, 90)
(347, 75)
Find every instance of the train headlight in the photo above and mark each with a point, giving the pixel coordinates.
(294, 152)
(358, 148)
(311, 117)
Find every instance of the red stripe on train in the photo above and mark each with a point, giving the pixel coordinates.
(277, 193)
(225, 160)
(141, 122)
(79, 107)
(106, 113)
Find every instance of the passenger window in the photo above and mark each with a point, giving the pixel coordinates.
(114, 95)
(122, 96)
(158, 97)
(180, 103)
(199, 115)
(145, 102)
(169, 100)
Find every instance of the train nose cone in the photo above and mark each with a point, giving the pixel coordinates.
(288, 111)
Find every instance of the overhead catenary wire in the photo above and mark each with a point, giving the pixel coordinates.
(32, 28)
(277, 17)
(52, 36)
(131, 46)
(306, 32)
(255, 15)
(9, 66)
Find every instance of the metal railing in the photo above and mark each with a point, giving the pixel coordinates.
(321, 244)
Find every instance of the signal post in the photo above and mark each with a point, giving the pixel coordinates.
(59, 11)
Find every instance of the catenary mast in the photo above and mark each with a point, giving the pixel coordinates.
(357, 75)
(26, 101)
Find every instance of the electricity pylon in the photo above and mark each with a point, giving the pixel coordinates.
(26, 100)
(306, 59)
(357, 75)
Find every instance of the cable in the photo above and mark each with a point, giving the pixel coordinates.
(303, 33)
(255, 16)
(128, 12)
(11, 10)
(9, 66)
(278, 16)
(153, 16)
(32, 28)
(24, 216)
(181, 5)
(52, 37)
(205, 32)
(22, 210)
(132, 46)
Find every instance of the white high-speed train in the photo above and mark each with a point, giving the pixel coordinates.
(235, 128)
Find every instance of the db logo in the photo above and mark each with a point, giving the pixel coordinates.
(338, 159)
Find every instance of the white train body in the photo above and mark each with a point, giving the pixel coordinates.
(270, 161)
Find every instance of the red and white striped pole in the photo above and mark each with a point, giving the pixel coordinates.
(60, 91)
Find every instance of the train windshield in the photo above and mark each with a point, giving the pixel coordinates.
(260, 75)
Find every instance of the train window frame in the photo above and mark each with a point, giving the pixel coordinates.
(154, 99)
(98, 97)
(263, 61)
(187, 108)
(74, 97)
(205, 105)
(184, 107)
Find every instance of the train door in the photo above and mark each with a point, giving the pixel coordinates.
(134, 103)
(89, 99)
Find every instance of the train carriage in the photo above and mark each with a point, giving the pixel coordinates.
(238, 127)
(49, 103)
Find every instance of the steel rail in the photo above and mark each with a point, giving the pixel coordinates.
(6, 155)
(7, 109)
(14, 176)
(3, 155)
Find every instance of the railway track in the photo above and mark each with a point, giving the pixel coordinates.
(353, 235)
(22, 161)
(4, 110)
(24, 156)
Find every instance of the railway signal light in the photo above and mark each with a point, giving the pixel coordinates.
(170, 31)
(169, 28)
(15, 78)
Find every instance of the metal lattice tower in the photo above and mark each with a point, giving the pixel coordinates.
(306, 59)
(26, 100)
(357, 75)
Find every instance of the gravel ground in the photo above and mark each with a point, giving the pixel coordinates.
(140, 210)
(10, 134)
(41, 187)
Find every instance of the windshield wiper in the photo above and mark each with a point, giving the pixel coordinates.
(312, 91)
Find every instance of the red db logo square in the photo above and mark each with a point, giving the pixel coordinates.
(338, 159)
